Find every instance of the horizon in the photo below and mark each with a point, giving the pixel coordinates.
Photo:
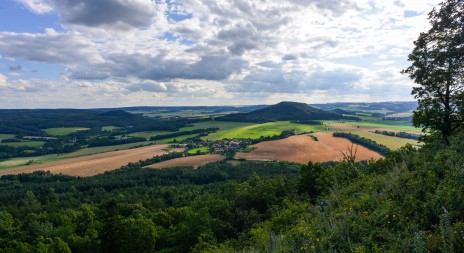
(219, 105)
(61, 54)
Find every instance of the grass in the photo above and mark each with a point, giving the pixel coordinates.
(147, 135)
(390, 141)
(20, 161)
(222, 125)
(6, 136)
(109, 128)
(387, 124)
(178, 139)
(60, 131)
(24, 143)
(255, 131)
(201, 150)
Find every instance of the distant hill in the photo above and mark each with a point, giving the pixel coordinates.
(31, 121)
(283, 111)
(212, 109)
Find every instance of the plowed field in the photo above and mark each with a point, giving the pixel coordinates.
(302, 148)
(94, 164)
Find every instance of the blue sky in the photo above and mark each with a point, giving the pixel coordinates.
(111, 53)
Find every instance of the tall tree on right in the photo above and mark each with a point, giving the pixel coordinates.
(438, 69)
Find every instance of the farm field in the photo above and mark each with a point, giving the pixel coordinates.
(200, 149)
(178, 139)
(94, 164)
(223, 125)
(19, 161)
(386, 125)
(6, 136)
(367, 131)
(149, 134)
(109, 128)
(58, 131)
(254, 131)
(194, 161)
(24, 143)
(302, 148)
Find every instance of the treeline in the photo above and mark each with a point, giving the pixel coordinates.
(181, 133)
(368, 143)
(399, 134)
(307, 122)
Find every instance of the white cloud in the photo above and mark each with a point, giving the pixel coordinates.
(37, 6)
(230, 50)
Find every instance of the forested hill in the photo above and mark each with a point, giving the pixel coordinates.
(284, 111)
(31, 121)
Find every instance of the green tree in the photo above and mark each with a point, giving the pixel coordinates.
(438, 67)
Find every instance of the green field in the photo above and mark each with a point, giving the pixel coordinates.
(255, 131)
(109, 128)
(223, 125)
(147, 135)
(178, 139)
(20, 161)
(202, 150)
(6, 136)
(390, 141)
(59, 131)
(388, 124)
(24, 143)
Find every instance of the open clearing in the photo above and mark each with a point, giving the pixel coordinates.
(367, 131)
(58, 131)
(194, 161)
(302, 149)
(255, 131)
(6, 136)
(94, 164)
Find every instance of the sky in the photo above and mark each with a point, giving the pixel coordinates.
(115, 53)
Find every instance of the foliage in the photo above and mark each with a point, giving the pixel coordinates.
(438, 67)
(405, 135)
(181, 133)
(370, 144)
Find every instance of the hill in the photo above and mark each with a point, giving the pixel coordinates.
(283, 111)
(32, 121)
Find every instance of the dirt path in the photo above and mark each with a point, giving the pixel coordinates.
(194, 161)
(302, 148)
(94, 164)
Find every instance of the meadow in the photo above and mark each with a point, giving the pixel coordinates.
(24, 143)
(60, 131)
(254, 131)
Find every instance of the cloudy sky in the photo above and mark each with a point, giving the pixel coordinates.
(112, 53)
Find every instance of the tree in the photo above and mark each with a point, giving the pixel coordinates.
(437, 66)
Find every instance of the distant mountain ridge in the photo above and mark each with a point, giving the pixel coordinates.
(284, 111)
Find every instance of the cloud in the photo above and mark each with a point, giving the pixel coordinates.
(119, 14)
(234, 51)
(16, 68)
(37, 6)
(50, 47)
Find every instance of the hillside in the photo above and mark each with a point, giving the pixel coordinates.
(31, 121)
(283, 111)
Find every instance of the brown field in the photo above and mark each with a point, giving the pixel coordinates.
(194, 161)
(302, 148)
(94, 164)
